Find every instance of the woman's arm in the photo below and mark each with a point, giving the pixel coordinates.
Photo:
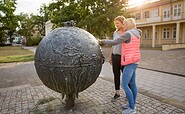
(123, 38)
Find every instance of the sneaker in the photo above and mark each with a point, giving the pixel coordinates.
(129, 111)
(116, 96)
(125, 106)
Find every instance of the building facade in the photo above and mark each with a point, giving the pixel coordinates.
(162, 22)
(48, 27)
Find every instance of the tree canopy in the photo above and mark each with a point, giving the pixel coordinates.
(96, 16)
(8, 21)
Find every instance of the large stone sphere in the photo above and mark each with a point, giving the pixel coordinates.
(68, 60)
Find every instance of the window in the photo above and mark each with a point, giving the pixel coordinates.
(166, 12)
(147, 34)
(177, 10)
(174, 33)
(147, 14)
(138, 16)
(166, 33)
(155, 13)
(156, 35)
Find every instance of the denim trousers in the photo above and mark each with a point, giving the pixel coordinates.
(129, 77)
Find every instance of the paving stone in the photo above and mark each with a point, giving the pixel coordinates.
(24, 95)
(90, 101)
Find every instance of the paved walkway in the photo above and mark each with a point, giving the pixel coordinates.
(168, 87)
(30, 48)
(21, 92)
(171, 61)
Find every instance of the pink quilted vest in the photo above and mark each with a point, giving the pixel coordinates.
(131, 52)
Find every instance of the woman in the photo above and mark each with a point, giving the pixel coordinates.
(130, 58)
(115, 58)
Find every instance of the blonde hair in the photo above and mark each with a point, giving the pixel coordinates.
(130, 23)
(120, 18)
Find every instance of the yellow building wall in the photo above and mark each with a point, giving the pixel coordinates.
(183, 8)
(159, 40)
(170, 39)
(146, 42)
(145, 24)
(182, 35)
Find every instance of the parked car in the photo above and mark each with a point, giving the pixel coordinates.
(17, 40)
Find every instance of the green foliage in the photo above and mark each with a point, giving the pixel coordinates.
(29, 42)
(39, 24)
(14, 51)
(44, 13)
(15, 54)
(36, 40)
(8, 20)
(49, 107)
(20, 58)
(29, 25)
(45, 100)
(26, 26)
(96, 16)
(37, 111)
(33, 41)
(2, 38)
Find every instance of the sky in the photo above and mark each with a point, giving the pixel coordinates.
(33, 6)
(30, 6)
(140, 2)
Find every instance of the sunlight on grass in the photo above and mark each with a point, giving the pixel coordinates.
(21, 58)
(15, 54)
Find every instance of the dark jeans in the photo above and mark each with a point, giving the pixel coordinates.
(117, 69)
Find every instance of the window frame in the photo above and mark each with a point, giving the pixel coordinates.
(177, 10)
(147, 34)
(166, 13)
(174, 32)
(156, 35)
(155, 13)
(147, 14)
(138, 15)
(166, 33)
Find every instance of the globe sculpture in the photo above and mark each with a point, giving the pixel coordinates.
(68, 60)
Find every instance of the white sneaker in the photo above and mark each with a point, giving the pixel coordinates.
(125, 106)
(129, 111)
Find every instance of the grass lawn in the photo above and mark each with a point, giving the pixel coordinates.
(15, 54)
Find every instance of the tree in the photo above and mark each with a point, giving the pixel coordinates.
(103, 16)
(95, 16)
(39, 24)
(7, 19)
(29, 25)
(41, 19)
(26, 26)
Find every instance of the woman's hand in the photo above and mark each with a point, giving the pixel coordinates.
(100, 42)
(110, 61)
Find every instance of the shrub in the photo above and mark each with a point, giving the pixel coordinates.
(33, 41)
